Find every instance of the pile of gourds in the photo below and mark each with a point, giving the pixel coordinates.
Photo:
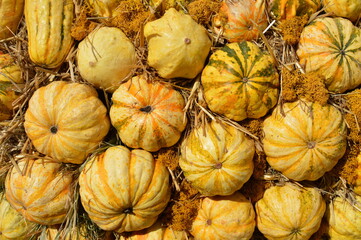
(123, 187)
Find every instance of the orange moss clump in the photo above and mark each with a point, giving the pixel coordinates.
(183, 209)
(130, 16)
(353, 117)
(309, 86)
(169, 157)
(82, 26)
(202, 10)
(291, 29)
(347, 165)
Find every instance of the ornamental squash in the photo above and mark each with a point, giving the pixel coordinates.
(177, 45)
(106, 57)
(350, 9)
(241, 20)
(11, 12)
(332, 47)
(240, 81)
(10, 80)
(103, 8)
(48, 23)
(224, 217)
(344, 219)
(290, 212)
(66, 121)
(286, 9)
(304, 140)
(12, 224)
(357, 185)
(53, 233)
(217, 159)
(41, 192)
(147, 115)
(157, 232)
(124, 190)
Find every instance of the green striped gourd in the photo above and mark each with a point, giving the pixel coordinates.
(240, 81)
(332, 47)
(286, 9)
(11, 12)
(49, 23)
(350, 9)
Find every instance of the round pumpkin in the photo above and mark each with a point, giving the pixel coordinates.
(240, 81)
(53, 233)
(10, 77)
(147, 115)
(106, 57)
(332, 47)
(156, 232)
(41, 192)
(357, 185)
(240, 20)
(290, 212)
(177, 45)
(12, 224)
(124, 190)
(66, 121)
(304, 140)
(217, 159)
(103, 8)
(286, 9)
(224, 217)
(344, 219)
(350, 9)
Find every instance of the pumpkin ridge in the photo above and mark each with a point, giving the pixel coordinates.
(232, 53)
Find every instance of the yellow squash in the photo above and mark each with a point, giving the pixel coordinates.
(350, 9)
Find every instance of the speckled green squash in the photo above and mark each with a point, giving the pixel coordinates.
(240, 81)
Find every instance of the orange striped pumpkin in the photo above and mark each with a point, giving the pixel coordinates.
(41, 192)
(240, 81)
(124, 190)
(350, 9)
(66, 121)
(290, 212)
(48, 23)
(11, 12)
(12, 224)
(344, 219)
(286, 9)
(224, 217)
(217, 159)
(147, 115)
(304, 140)
(332, 47)
(240, 20)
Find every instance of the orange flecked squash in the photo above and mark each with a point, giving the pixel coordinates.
(41, 192)
(344, 219)
(240, 20)
(227, 218)
(332, 47)
(304, 140)
(11, 12)
(290, 212)
(240, 81)
(48, 23)
(66, 121)
(124, 190)
(147, 115)
(217, 159)
(10, 81)
(286, 9)
(12, 224)
(350, 9)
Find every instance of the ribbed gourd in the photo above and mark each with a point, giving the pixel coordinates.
(11, 12)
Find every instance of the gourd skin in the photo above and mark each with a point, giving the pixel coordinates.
(227, 217)
(350, 9)
(66, 121)
(217, 159)
(332, 48)
(124, 190)
(304, 140)
(286, 9)
(103, 8)
(290, 212)
(48, 23)
(11, 12)
(240, 81)
(43, 194)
